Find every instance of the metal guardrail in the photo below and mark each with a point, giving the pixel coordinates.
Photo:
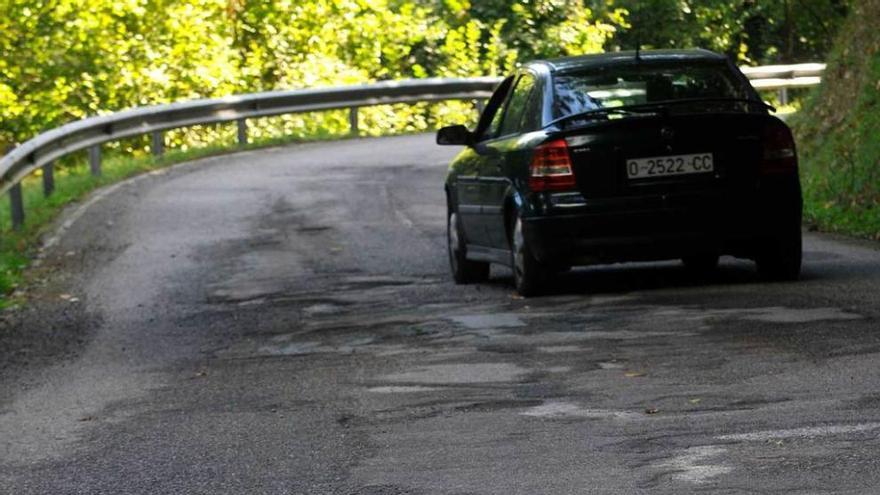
(783, 77)
(783, 72)
(90, 133)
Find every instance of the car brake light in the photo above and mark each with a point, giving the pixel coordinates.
(550, 169)
(780, 155)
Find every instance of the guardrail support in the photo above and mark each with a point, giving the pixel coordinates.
(353, 121)
(17, 204)
(242, 132)
(48, 179)
(95, 160)
(157, 143)
(480, 105)
(783, 96)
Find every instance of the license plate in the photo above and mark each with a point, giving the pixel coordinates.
(662, 166)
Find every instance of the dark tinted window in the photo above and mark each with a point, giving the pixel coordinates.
(532, 118)
(495, 124)
(648, 83)
(516, 106)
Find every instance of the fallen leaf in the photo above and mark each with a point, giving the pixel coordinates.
(633, 374)
(695, 401)
(651, 410)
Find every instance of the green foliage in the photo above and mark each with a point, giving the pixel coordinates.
(548, 28)
(62, 60)
(837, 131)
(749, 31)
(66, 59)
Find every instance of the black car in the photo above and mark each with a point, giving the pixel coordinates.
(618, 157)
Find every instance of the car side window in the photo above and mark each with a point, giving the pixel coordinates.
(533, 116)
(490, 120)
(495, 124)
(516, 106)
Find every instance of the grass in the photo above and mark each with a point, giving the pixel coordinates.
(841, 179)
(73, 182)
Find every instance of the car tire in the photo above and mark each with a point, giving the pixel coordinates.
(464, 271)
(701, 264)
(780, 259)
(529, 275)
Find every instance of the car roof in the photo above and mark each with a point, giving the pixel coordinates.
(566, 64)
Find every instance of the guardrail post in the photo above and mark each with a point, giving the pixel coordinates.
(242, 132)
(95, 160)
(157, 143)
(48, 179)
(353, 121)
(17, 204)
(783, 96)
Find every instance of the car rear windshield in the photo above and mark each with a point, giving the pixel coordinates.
(576, 93)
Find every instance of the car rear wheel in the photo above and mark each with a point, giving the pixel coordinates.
(529, 276)
(464, 271)
(780, 259)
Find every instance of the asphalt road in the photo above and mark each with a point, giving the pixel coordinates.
(283, 321)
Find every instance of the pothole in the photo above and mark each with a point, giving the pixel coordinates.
(401, 389)
(796, 315)
(376, 281)
(694, 466)
(460, 374)
(561, 349)
(561, 409)
(488, 320)
(806, 432)
(322, 309)
(280, 348)
(628, 334)
(313, 229)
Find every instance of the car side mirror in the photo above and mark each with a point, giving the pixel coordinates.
(455, 135)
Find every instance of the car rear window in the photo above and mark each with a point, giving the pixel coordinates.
(648, 83)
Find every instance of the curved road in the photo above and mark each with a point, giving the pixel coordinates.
(282, 321)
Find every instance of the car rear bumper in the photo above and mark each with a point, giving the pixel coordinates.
(661, 229)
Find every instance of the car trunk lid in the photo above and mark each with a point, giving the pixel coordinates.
(601, 152)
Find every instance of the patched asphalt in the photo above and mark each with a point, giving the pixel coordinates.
(283, 321)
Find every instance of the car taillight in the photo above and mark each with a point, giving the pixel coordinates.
(550, 169)
(780, 155)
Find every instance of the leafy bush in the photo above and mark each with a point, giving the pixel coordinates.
(837, 131)
(67, 59)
